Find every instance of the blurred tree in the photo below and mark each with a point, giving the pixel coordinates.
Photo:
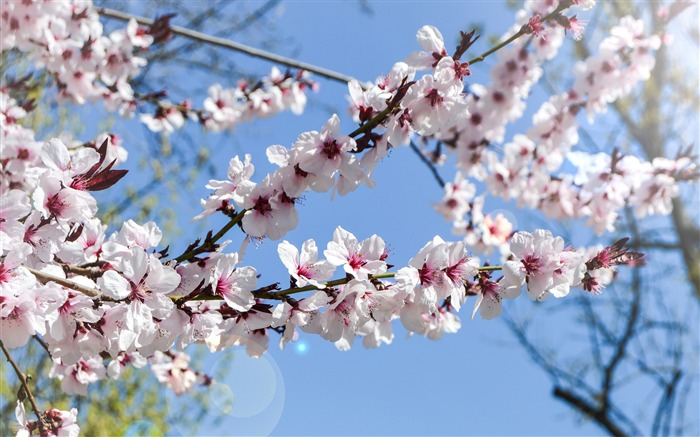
(636, 371)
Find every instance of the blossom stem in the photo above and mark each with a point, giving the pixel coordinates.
(496, 48)
(227, 227)
(490, 268)
(209, 242)
(334, 283)
(90, 272)
(518, 34)
(42, 343)
(264, 293)
(25, 387)
(373, 122)
(429, 163)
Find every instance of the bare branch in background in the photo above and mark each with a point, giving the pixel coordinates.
(232, 45)
(645, 344)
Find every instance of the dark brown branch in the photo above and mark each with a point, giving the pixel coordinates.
(538, 357)
(43, 344)
(622, 342)
(598, 415)
(431, 166)
(665, 408)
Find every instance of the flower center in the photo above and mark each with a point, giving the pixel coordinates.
(532, 264)
(331, 148)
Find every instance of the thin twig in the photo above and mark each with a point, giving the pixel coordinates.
(429, 163)
(265, 293)
(25, 387)
(666, 405)
(42, 343)
(630, 331)
(254, 16)
(334, 283)
(589, 410)
(374, 121)
(208, 243)
(523, 31)
(495, 48)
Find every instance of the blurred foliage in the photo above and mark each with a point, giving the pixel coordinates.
(136, 397)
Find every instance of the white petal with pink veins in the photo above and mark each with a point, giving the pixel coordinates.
(114, 285)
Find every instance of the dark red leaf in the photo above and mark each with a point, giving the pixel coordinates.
(102, 150)
(104, 180)
(75, 234)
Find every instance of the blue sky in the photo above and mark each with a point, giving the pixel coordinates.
(477, 382)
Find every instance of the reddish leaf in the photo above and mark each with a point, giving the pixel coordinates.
(75, 233)
(102, 150)
(104, 179)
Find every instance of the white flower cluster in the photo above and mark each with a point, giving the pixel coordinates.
(66, 38)
(225, 108)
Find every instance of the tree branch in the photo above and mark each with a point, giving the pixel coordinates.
(523, 31)
(430, 165)
(25, 387)
(43, 344)
(620, 351)
(589, 410)
(210, 241)
(666, 404)
(232, 45)
(255, 15)
(45, 277)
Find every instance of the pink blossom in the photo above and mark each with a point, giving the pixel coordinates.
(358, 259)
(436, 101)
(304, 267)
(543, 264)
(297, 314)
(433, 325)
(234, 284)
(75, 378)
(271, 213)
(345, 314)
(20, 314)
(433, 44)
(237, 188)
(326, 153)
(60, 423)
(65, 204)
(173, 371)
(456, 202)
